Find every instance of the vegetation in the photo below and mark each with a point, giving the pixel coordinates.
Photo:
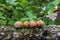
(26, 10)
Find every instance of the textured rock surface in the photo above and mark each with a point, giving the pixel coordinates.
(50, 32)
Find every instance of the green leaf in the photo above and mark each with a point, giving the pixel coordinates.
(16, 15)
(24, 19)
(3, 1)
(47, 21)
(1, 17)
(11, 2)
(23, 3)
(11, 22)
(50, 7)
(2, 22)
(30, 15)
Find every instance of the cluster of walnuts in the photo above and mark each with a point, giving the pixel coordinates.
(27, 24)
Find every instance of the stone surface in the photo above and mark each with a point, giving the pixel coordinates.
(50, 32)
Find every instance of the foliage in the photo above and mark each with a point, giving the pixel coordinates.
(26, 10)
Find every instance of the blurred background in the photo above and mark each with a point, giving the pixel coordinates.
(27, 10)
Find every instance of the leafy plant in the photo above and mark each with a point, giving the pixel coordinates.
(26, 10)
